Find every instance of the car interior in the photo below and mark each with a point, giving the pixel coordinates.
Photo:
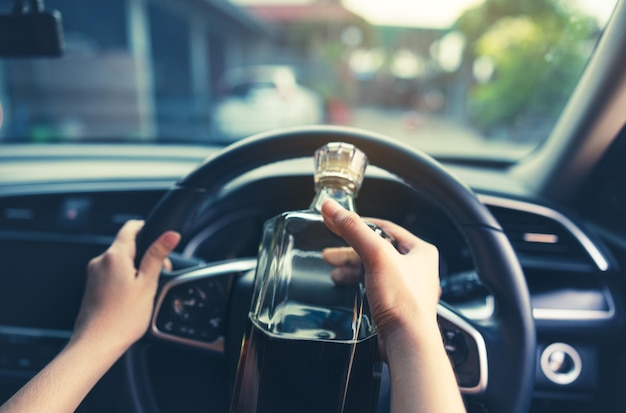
(532, 247)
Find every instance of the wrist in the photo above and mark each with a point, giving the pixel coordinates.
(413, 336)
(108, 346)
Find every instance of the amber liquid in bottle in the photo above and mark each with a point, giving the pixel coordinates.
(306, 375)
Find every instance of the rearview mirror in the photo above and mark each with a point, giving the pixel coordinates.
(31, 34)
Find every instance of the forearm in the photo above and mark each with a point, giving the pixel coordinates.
(62, 384)
(115, 312)
(422, 379)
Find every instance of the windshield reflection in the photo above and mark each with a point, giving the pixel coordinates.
(462, 78)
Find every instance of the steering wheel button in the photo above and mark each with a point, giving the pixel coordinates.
(168, 326)
(456, 346)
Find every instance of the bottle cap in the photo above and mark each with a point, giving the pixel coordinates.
(342, 163)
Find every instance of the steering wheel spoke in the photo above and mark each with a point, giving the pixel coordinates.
(192, 304)
(466, 348)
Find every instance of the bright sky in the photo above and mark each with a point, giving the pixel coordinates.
(423, 13)
(442, 13)
(428, 13)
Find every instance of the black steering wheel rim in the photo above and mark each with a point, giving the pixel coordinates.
(509, 334)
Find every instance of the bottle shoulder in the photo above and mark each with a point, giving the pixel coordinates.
(303, 229)
(311, 215)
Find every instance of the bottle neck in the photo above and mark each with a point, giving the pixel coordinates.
(343, 195)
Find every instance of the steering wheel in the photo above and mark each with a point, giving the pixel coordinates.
(494, 359)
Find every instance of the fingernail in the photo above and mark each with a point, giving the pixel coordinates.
(170, 239)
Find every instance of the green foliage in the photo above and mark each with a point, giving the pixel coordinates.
(538, 50)
(319, 41)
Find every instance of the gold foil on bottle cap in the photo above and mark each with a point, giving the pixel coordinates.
(340, 161)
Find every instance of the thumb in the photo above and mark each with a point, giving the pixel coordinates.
(349, 226)
(153, 259)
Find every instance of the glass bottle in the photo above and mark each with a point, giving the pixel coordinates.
(311, 345)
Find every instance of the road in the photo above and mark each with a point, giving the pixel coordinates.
(434, 135)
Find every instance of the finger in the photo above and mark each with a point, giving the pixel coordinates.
(341, 256)
(167, 264)
(157, 253)
(346, 275)
(127, 235)
(353, 230)
(406, 240)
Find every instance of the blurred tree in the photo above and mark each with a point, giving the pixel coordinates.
(537, 50)
(316, 38)
(322, 43)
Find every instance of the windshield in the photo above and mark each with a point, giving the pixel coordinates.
(459, 78)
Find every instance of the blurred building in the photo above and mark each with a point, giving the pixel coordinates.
(132, 69)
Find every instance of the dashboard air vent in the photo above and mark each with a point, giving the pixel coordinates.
(542, 241)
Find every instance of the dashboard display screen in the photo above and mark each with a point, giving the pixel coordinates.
(42, 282)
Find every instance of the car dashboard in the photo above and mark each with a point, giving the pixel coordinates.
(61, 206)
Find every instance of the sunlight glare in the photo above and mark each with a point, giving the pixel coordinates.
(443, 13)
(411, 13)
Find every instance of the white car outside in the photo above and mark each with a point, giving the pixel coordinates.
(260, 98)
